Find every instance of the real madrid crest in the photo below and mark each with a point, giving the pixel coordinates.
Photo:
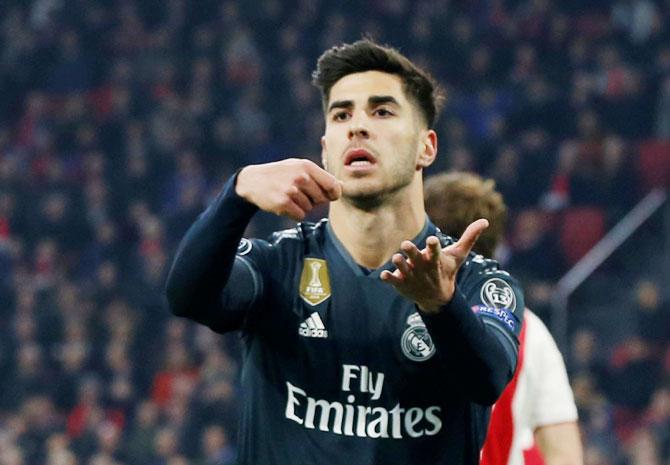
(416, 343)
(314, 281)
(244, 247)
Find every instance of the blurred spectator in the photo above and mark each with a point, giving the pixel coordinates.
(29, 377)
(58, 451)
(178, 373)
(215, 447)
(40, 421)
(637, 18)
(534, 254)
(119, 123)
(657, 419)
(595, 415)
(166, 446)
(216, 394)
(634, 373)
(653, 314)
(141, 433)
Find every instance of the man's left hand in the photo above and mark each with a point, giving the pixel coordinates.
(428, 276)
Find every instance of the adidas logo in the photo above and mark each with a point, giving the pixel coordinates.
(313, 327)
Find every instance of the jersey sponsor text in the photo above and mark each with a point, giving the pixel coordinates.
(351, 419)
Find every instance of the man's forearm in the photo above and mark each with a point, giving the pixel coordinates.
(206, 254)
(473, 349)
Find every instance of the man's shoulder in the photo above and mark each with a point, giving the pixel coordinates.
(476, 263)
(300, 233)
(539, 337)
(283, 244)
(490, 285)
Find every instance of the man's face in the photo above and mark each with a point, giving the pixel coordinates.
(375, 141)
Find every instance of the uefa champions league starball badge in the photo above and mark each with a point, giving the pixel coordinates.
(497, 293)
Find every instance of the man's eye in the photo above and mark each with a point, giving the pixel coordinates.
(341, 116)
(383, 112)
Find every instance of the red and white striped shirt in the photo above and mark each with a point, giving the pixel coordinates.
(538, 395)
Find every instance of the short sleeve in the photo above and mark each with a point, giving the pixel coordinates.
(553, 398)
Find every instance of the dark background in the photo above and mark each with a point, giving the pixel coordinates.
(119, 120)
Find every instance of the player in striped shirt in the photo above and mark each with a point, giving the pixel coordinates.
(537, 406)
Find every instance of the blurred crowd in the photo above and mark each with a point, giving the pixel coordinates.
(120, 119)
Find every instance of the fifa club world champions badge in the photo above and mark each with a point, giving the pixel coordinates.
(314, 281)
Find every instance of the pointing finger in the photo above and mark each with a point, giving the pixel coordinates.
(294, 211)
(310, 187)
(302, 200)
(326, 181)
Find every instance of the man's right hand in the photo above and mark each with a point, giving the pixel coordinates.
(289, 187)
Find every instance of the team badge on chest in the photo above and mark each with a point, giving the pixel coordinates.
(416, 343)
(314, 281)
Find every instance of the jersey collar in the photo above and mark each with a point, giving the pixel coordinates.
(429, 229)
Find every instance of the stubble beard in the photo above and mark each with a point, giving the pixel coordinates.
(371, 195)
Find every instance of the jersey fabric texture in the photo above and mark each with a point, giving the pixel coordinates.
(538, 395)
(338, 367)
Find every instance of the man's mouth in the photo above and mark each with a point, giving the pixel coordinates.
(359, 158)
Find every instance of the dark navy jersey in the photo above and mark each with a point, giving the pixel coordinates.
(338, 367)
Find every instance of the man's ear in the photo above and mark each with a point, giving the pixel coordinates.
(324, 158)
(427, 149)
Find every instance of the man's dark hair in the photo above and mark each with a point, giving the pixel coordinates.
(366, 55)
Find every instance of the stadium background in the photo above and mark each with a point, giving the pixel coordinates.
(119, 120)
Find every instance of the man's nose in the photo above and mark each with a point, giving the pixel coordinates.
(358, 128)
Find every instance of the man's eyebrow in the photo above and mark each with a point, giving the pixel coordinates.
(373, 100)
(382, 99)
(340, 104)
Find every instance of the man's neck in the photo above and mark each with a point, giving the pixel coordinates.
(372, 236)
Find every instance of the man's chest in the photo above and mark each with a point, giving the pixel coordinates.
(342, 352)
(341, 331)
